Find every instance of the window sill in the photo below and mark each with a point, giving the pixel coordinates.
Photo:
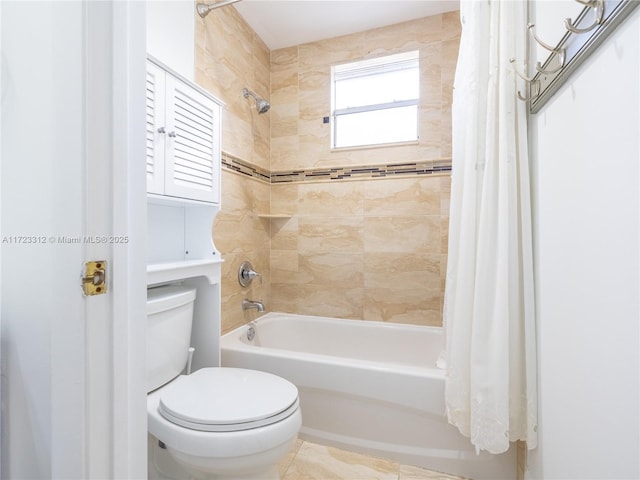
(377, 145)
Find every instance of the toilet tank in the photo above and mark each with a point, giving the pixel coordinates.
(169, 319)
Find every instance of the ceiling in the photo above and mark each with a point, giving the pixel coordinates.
(284, 23)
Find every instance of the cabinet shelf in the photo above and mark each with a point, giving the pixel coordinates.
(172, 271)
(178, 201)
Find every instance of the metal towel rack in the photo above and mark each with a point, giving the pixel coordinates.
(597, 20)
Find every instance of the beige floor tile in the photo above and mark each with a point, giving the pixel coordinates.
(317, 462)
(408, 472)
(285, 463)
(309, 461)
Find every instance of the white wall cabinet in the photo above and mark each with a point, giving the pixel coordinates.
(183, 138)
(183, 198)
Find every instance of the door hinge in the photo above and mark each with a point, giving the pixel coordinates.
(94, 280)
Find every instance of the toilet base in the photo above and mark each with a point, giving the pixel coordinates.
(164, 464)
(261, 466)
(161, 465)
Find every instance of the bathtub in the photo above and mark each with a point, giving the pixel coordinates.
(369, 387)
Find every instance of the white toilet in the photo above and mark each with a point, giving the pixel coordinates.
(218, 422)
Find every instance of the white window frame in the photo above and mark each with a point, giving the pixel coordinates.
(372, 67)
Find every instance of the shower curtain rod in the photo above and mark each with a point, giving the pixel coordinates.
(203, 9)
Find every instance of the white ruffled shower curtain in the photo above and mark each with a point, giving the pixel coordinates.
(490, 355)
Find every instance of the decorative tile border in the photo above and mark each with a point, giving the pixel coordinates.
(245, 168)
(391, 170)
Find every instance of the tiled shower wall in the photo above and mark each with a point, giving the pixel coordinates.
(372, 248)
(230, 56)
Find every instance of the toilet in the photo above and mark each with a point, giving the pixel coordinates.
(217, 422)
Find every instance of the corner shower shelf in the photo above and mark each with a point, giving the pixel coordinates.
(172, 271)
(274, 215)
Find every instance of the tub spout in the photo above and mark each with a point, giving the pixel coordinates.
(247, 304)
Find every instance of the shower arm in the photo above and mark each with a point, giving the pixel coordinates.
(203, 9)
(248, 93)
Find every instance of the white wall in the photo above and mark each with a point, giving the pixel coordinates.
(586, 154)
(171, 34)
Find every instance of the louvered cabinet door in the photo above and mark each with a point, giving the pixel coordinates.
(192, 164)
(155, 128)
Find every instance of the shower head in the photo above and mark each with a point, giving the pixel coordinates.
(262, 106)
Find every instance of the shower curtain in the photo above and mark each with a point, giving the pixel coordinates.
(489, 303)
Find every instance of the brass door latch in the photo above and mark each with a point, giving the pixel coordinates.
(94, 281)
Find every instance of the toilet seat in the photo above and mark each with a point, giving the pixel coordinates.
(227, 400)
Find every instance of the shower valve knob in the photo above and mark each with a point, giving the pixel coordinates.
(246, 274)
(249, 274)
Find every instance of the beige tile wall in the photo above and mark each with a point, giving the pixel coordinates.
(241, 235)
(370, 249)
(373, 249)
(300, 93)
(230, 56)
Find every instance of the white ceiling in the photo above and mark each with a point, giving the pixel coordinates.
(284, 23)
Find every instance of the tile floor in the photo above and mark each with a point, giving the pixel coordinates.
(309, 461)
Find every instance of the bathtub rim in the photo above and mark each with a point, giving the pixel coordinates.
(232, 340)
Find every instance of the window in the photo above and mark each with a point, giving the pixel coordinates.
(376, 101)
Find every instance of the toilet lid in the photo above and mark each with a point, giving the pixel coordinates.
(228, 399)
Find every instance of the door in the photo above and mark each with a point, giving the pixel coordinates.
(192, 159)
(72, 189)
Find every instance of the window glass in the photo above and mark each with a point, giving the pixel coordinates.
(376, 101)
(377, 126)
(375, 89)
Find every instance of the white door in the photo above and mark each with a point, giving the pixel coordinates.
(72, 189)
(192, 159)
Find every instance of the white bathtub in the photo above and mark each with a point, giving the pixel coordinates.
(369, 387)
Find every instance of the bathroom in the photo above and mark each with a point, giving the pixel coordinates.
(585, 189)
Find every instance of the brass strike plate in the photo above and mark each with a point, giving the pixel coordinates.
(94, 281)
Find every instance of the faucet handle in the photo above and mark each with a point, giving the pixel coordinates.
(246, 274)
(251, 274)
